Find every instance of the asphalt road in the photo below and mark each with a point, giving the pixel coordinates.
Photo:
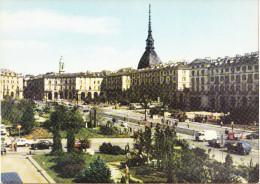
(219, 154)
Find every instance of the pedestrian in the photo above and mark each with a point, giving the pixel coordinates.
(221, 124)
(12, 145)
(232, 124)
(15, 146)
(130, 130)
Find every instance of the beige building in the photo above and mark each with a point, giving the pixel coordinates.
(11, 84)
(165, 81)
(54, 86)
(219, 84)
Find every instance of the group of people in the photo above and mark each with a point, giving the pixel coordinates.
(14, 145)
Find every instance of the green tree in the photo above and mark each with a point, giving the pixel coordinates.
(97, 172)
(27, 120)
(10, 113)
(253, 173)
(73, 123)
(55, 124)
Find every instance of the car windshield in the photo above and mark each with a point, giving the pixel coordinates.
(246, 145)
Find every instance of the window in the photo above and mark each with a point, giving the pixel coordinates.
(232, 69)
(227, 69)
(243, 77)
(216, 79)
(183, 72)
(244, 68)
(198, 72)
(256, 76)
(216, 70)
(221, 78)
(192, 80)
(238, 78)
(202, 72)
(250, 78)
(232, 77)
(227, 88)
(250, 87)
(212, 79)
(243, 87)
(256, 67)
(238, 68)
(202, 80)
(193, 72)
(222, 70)
(226, 78)
(249, 67)
(232, 88)
(183, 78)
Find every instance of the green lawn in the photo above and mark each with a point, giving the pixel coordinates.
(48, 160)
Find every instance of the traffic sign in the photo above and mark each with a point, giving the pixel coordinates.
(19, 126)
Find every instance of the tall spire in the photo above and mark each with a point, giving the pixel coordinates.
(149, 27)
(149, 58)
(149, 40)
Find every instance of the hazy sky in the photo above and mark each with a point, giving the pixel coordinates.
(105, 34)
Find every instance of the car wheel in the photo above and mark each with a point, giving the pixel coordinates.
(26, 145)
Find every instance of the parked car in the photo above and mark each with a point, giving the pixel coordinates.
(3, 149)
(254, 135)
(42, 144)
(206, 135)
(21, 142)
(77, 143)
(216, 143)
(83, 144)
(3, 129)
(239, 147)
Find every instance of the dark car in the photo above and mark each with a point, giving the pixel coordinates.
(239, 147)
(216, 143)
(253, 136)
(42, 144)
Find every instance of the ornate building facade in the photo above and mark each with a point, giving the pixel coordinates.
(11, 84)
(219, 84)
(64, 86)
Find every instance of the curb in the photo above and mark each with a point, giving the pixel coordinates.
(39, 168)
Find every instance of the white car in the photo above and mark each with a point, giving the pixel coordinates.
(22, 142)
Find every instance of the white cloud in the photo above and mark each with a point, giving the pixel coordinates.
(51, 21)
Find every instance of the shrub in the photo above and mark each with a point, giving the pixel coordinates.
(106, 130)
(108, 148)
(70, 171)
(68, 165)
(97, 172)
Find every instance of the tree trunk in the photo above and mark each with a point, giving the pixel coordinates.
(70, 141)
(57, 146)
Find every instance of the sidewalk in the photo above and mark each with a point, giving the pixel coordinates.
(21, 167)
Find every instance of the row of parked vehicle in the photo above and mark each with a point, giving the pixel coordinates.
(231, 141)
(41, 144)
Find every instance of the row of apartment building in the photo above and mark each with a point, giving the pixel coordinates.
(203, 83)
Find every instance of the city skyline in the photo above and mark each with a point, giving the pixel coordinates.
(95, 36)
